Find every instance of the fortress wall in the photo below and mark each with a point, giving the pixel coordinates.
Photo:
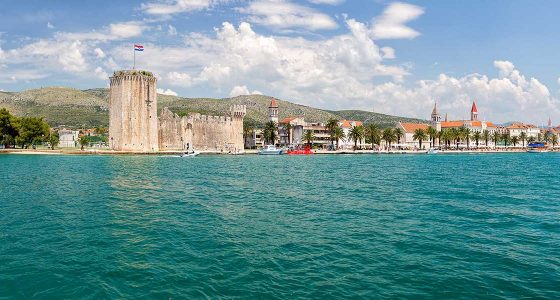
(201, 132)
(133, 124)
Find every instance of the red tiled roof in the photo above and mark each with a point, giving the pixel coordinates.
(411, 127)
(450, 124)
(490, 124)
(273, 103)
(288, 120)
(348, 123)
(476, 124)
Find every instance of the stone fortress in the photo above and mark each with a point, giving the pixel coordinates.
(135, 127)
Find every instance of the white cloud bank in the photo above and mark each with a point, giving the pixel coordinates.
(391, 24)
(167, 92)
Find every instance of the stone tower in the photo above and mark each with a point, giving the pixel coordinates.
(273, 111)
(436, 118)
(133, 122)
(474, 112)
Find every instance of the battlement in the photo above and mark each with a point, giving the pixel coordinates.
(238, 111)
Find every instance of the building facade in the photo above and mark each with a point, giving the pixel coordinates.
(68, 138)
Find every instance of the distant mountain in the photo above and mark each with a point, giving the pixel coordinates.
(89, 108)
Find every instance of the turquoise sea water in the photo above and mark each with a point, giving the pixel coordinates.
(321, 227)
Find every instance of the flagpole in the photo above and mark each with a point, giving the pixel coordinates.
(134, 66)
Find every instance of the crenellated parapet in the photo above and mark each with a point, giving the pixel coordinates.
(238, 111)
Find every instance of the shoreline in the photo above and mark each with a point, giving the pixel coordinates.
(251, 152)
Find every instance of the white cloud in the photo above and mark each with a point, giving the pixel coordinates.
(239, 90)
(179, 79)
(171, 30)
(101, 74)
(126, 30)
(388, 52)
(99, 53)
(115, 31)
(176, 6)
(330, 2)
(391, 24)
(281, 14)
(167, 92)
(49, 25)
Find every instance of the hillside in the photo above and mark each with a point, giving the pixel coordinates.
(89, 108)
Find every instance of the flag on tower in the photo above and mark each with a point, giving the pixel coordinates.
(138, 47)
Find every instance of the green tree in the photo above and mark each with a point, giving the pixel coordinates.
(31, 131)
(476, 137)
(465, 134)
(554, 140)
(389, 136)
(84, 141)
(523, 137)
(547, 137)
(514, 140)
(54, 139)
(309, 136)
(373, 132)
(506, 138)
(432, 134)
(269, 132)
(486, 137)
(455, 135)
(288, 129)
(356, 134)
(338, 134)
(331, 125)
(496, 137)
(8, 127)
(531, 139)
(419, 135)
(398, 134)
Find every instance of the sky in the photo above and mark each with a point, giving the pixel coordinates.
(390, 57)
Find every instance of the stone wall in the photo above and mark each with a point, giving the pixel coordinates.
(201, 132)
(133, 123)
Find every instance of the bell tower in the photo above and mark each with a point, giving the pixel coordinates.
(436, 118)
(474, 112)
(273, 111)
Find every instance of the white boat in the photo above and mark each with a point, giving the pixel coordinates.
(433, 151)
(270, 150)
(189, 154)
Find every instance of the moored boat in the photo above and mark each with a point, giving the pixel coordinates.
(270, 150)
(433, 151)
(306, 151)
(537, 147)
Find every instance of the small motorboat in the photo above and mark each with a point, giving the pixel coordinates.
(433, 151)
(189, 154)
(270, 150)
(537, 147)
(306, 151)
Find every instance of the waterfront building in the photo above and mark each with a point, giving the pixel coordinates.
(347, 143)
(134, 125)
(517, 128)
(473, 124)
(408, 129)
(68, 138)
(273, 111)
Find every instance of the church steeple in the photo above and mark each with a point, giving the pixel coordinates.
(436, 118)
(474, 112)
(273, 111)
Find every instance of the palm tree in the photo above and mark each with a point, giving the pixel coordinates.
(476, 137)
(248, 129)
(514, 140)
(539, 137)
(398, 134)
(486, 137)
(432, 133)
(455, 135)
(523, 137)
(547, 137)
(356, 134)
(465, 134)
(389, 136)
(84, 140)
(288, 129)
(496, 137)
(372, 131)
(419, 135)
(443, 135)
(338, 134)
(269, 132)
(531, 139)
(506, 138)
(331, 125)
(309, 136)
(554, 140)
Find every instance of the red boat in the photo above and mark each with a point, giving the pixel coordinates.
(306, 151)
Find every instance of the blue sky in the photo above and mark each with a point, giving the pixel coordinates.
(394, 57)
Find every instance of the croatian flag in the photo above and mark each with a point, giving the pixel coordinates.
(138, 47)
